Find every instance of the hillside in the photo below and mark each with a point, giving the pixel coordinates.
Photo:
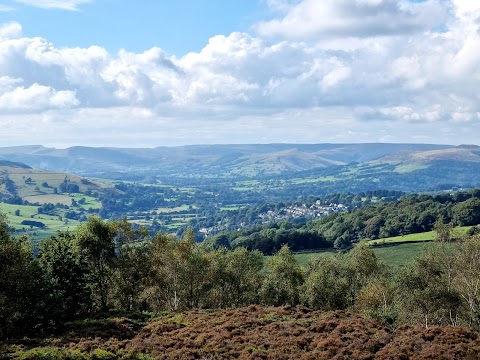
(39, 203)
(248, 160)
(252, 332)
(462, 153)
(36, 185)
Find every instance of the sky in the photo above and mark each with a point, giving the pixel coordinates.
(147, 73)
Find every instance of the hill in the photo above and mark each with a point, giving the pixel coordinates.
(39, 203)
(13, 164)
(33, 185)
(462, 153)
(252, 332)
(201, 160)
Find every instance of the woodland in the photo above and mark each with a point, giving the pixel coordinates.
(107, 280)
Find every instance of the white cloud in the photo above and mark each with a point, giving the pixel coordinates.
(355, 18)
(247, 88)
(466, 7)
(10, 30)
(17, 98)
(71, 5)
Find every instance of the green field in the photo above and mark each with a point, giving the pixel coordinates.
(166, 210)
(307, 257)
(399, 255)
(53, 223)
(395, 256)
(30, 182)
(90, 202)
(402, 169)
(313, 180)
(457, 232)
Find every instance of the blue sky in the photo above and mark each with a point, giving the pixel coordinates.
(162, 72)
(137, 25)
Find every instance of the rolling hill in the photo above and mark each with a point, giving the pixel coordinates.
(201, 160)
(17, 179)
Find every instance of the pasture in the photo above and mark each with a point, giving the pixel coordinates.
(457, 233)
(53, 223)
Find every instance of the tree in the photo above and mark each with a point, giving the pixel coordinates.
(24, 292)
(467, 213)
(131, 264)
(131, 271)
(327, 284)
(179, 273)
(235, 277)
(282, 280)
(362, 265)
(467, 277)
(96, 241)
(60, 259)
(425, 292)
(376, 299)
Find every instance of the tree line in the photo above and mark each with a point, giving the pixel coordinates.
(408, 215)
(108, 265)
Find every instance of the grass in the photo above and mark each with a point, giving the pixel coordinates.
(305, 258)
(53, 179)
(457, 232)
(52, 222)
(399, 255)
(164, 210)
(313, 180)
(402, 169)
(425, 236)
(395, 255)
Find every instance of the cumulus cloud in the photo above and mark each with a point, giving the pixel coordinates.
(71, 5)
(10, 30)
(15, 97)
(354, 18)
(412, 83)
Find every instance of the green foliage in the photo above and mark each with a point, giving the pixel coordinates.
(111, 263)
(95, 239)
(179, 271)
(60, 259)
(327, 284)
(56, 353)
(24, 295)
(426, 291)
(467, 277)
(283, 279)
(334, 282)
(466, 212)
(235, 277)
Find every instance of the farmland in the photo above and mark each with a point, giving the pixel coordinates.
(395, 255)
(53, 222)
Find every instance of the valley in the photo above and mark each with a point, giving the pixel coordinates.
(108, 261)
(208, 188)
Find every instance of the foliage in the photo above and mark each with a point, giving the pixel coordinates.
(409, 215)
(60, 259)
(109, 265)
(96, 242)
(283, 279)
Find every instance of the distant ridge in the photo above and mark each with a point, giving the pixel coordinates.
(248, 160)
(462, 153)
(14, 164)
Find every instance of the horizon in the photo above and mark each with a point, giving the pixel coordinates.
(234, 144)
(176, 73)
